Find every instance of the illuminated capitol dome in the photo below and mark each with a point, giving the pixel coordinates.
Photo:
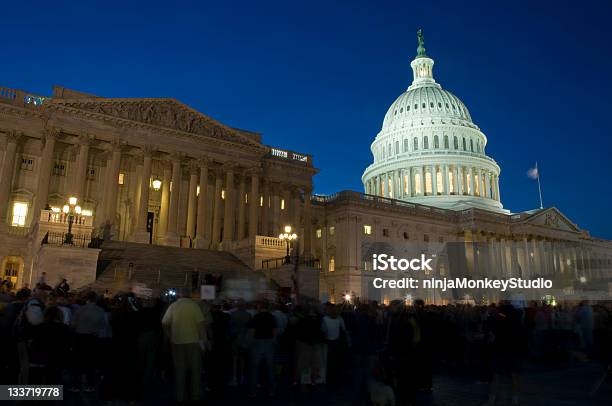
(429, 151)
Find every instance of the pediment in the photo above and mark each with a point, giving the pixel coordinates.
(552, 218)
(165, 113)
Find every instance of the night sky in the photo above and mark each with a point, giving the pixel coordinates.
(318, 77)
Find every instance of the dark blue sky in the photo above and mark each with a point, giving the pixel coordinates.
(318, 77)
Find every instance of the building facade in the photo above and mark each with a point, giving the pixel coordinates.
(143, 170)
(431, 189)
(157, 172)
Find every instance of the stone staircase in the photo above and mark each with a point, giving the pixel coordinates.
(123, 265)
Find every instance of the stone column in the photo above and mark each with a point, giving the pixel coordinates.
(142, 235)
(408, 179)
(202, 224)
(44, 173)
(456, 180)
(445, 180)
(81, 168)
(228, 213)
(295, 207)
(112, 185)
(165, 202)
(496, 186)
(265, 209)
(218, 201)
(172, 237)
(307, 223)
(241, 207)
(434, 180)
(8, 166)
(253, 204)
(275, 210)
(286, 212)
(472, 191)
(192, 200)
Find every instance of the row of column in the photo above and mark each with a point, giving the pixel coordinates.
(261, 206)
(434, 180)
(529, 257)
(233, 216)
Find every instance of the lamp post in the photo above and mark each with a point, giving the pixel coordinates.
(288, 236)
(71, 209)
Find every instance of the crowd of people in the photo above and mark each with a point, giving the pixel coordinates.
(120, 347)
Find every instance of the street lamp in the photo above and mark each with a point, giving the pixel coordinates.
(70, 210)
(156, 184)
(288, 236)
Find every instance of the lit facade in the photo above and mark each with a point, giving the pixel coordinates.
(142, 170)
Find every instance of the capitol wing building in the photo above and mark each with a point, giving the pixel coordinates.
(431, 189)
(147, 191)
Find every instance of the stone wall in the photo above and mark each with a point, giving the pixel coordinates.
(77, 265)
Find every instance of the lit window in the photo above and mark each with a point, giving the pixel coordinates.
(282, 204)
(91, 174)
(332, 264)
(198, 190)
(121, 179)
(440, 182)
(59, 169)
(332, 230)
(319, 233)
(367, 230)
(451, 182)
(27, 164)
(428, 183)
(406, 184)
(222, 194)
(417, 184)
(260, 201)
(20, 212)
(390, 188)
(246, 198)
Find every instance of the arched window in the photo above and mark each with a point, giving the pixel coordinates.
(408, 108)
(425, 143)
(464, 148)
(455, 142)
(397, 150)
(401, 110)
(406, 145)
(472, 145)
(446, 142)
(389, 152)
(436, 142)
(415, 146)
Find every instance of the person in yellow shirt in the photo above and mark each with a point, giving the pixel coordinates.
(185, 327)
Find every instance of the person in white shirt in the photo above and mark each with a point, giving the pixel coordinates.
(333, 328)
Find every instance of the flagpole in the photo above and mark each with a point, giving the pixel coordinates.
(539, 187)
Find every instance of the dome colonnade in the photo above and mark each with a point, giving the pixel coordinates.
(429, 151)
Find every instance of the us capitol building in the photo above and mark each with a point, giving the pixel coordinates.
(103, 191)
